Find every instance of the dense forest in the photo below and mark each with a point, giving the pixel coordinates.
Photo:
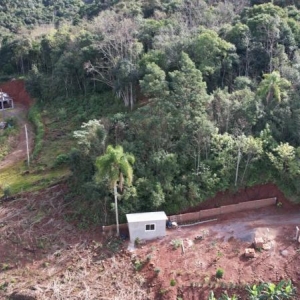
(203, 93)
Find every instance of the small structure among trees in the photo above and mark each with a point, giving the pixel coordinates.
(5, 101)
(147, 226)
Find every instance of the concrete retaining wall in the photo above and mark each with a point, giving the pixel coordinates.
(204, 214)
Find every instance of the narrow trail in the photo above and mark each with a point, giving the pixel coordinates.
(22, 101)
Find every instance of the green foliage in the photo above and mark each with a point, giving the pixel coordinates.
(283, 290)
(138, 265)
(6, 191)
(137, 242)
(61, 159)
(176, 243)
(219, 273)
(172, 282)
(153, 83)
(209, 51)
(35, 117)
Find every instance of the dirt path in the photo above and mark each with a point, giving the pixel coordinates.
(22, 101)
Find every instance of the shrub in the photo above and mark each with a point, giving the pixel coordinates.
(176, 243)
(7, 191)
(219, 273)
(173, 282)
(285, 289)
(138, 265)
(61, 159)
(137, 242)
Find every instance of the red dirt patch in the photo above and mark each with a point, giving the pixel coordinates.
(42, 253)
(16, 90)
(257, 192)
(223, 247)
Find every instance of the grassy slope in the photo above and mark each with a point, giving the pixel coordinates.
(60, 119)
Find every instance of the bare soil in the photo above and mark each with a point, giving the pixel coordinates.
(46, 256)
(22, 101)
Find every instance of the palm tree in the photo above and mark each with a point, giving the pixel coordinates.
(273, 86)
(115, 165)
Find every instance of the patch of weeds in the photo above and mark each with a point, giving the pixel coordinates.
(5, 267)
(153, 248)
(219, 254)
(219, 273)
(45, 264)
(114, 245)
(138, 265)
(163, 291)
(6, 191)
(213, 244)
(42, 243)
(57, 254)
(3, 286)
(137, 242)
(148, 258)
(172, 282)
(97, 245)
(140, 279)
(176, 243)
(232, 285)
(157, 270)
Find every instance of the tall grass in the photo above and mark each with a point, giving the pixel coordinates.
(35, 117)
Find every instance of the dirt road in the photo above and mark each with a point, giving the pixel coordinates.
(22, 101)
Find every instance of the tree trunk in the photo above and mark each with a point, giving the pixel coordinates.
(237, 167)
(116, 208)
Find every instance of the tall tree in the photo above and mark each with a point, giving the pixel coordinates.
(118, 54)
(273, 87)
(115, 165)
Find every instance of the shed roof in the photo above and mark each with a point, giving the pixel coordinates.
(148, 216)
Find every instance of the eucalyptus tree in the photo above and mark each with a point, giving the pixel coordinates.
(118, 53)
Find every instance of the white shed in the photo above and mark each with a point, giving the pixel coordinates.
(147, 226)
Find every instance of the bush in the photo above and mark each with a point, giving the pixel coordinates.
(137, 242)
(138, 265)
(219, 273)
(176, 243)
(61, 159)
(7, 191)
(173, 282)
